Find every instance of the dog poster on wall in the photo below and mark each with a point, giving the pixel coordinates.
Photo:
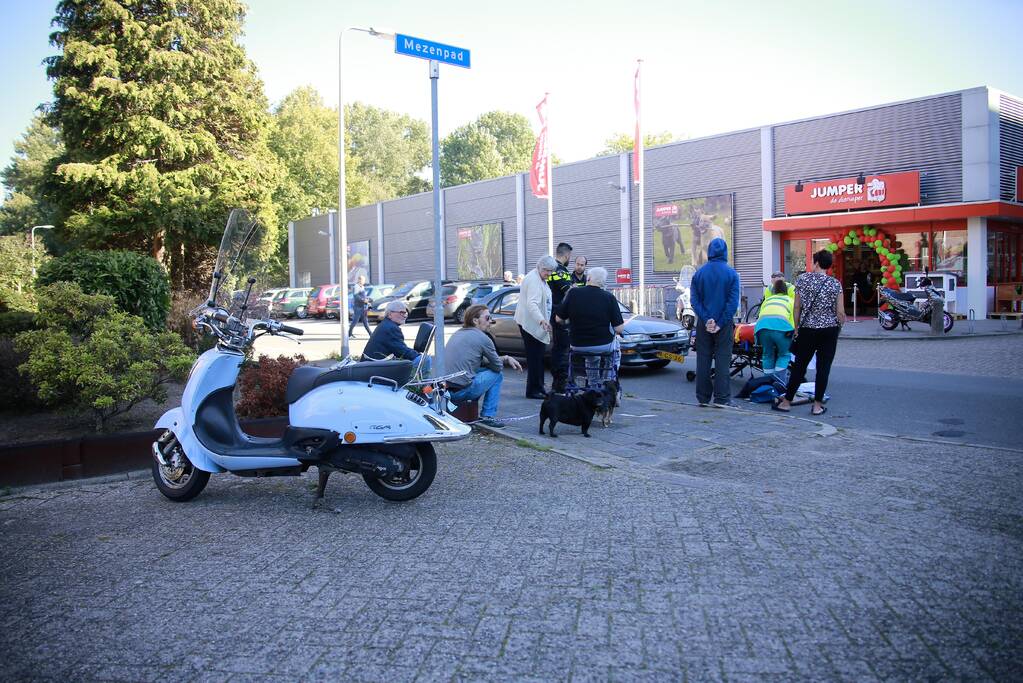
(481, 252)
(682, 229)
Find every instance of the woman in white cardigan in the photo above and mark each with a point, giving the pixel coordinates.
(533, 315)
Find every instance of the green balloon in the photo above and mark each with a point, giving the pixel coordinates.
(847, 239)
(856, 241)
(877, 243)
(852, 233)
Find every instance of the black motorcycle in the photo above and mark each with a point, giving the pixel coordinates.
(903, 310)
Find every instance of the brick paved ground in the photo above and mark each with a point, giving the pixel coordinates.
(845, 557)
(985, 356)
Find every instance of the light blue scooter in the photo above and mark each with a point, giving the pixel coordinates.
(353, 417)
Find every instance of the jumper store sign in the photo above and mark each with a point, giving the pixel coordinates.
(845, 194)
(666, 210)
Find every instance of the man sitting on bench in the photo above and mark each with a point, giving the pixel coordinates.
(387, 339)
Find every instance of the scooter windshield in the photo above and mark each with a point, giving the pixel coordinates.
(244, 254)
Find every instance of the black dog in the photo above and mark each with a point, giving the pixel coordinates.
(575, 410)
(609, 394)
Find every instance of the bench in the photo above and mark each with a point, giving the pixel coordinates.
(1006, 299)
(467, 411)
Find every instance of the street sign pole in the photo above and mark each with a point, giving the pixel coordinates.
(436, 53)
(438, 227)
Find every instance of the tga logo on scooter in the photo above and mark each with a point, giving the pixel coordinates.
(381, 428)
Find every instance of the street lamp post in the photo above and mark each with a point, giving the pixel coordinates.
(341, 212)
(32, 234)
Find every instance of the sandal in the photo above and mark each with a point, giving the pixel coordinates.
(776, 404)
(824, 409)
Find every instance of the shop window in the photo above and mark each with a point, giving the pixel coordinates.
(950, 252)
(917, 249)
(795, 259)
(1003, 257)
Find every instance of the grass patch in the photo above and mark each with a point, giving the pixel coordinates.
(526, 443)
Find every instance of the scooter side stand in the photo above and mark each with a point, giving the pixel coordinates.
(324, 474)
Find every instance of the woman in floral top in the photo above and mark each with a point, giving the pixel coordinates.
(819, 314)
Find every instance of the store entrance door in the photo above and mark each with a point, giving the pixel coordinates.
(858, 269)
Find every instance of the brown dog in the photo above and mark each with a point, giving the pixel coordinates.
(609, 394)
(575, 410)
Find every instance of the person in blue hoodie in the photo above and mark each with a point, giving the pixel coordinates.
(715, 298)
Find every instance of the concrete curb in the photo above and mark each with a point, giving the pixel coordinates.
(976, 335)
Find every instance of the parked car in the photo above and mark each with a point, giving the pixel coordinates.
(317, 304)
(416, 294)
(476, 293)
(642, 338)
(269, 294)
(290, 302)
(373, 291)
(455, 299)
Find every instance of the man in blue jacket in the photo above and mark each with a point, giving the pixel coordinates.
(387, 339)
(715, 298)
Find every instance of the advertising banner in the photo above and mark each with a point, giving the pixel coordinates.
(845, 194)
(358, 261)
(682, 229)
(481, 252)
(538, 180)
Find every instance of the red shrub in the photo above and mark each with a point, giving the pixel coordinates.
(263, 384)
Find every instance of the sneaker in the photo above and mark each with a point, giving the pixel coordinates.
(703, 404)
(491, 421)
(727, 404)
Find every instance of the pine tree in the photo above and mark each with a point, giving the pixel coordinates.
(24, 205)
(165, 126)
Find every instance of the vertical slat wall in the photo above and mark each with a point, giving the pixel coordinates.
(586, 213)
(923, 135)
(362, 225)
(408, 238)
(1010, 137)
(486, 201)
(723, 164)
(312, 250)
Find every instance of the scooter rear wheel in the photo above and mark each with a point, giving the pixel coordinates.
(888, 321)
(410, 484)
(181, 481)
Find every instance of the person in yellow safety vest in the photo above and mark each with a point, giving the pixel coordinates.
(774, 328)
(778, 275)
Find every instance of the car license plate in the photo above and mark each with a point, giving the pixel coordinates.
(668, 355)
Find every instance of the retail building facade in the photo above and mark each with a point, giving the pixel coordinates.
(946, 169)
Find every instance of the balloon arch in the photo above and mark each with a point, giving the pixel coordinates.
(891, 262)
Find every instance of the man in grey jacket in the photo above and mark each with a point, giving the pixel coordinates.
(471, 351)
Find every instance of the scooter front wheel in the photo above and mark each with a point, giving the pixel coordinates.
(888, 321)
(412, 482)
(179, 480)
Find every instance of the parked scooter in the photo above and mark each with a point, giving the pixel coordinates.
(684, 312)
(354, 417)
(903, 309)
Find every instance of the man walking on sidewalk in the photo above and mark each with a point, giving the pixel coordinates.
(715, 298)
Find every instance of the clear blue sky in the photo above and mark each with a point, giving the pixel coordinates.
(708, 69)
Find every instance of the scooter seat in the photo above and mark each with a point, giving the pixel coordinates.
(903, 296)
(305, 378)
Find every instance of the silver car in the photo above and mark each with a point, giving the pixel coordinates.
(643, 338)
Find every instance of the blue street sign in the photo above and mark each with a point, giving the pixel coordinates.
(427, 49)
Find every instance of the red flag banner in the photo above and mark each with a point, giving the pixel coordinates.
(538, 179)
(637, 170)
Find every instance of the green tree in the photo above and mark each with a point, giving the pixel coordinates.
(304, 139)
(386, 151)
(24, 204)
(165, 126)
(17, 290)
(497, 143)
(623, 142)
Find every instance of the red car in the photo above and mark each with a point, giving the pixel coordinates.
(317, 306)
